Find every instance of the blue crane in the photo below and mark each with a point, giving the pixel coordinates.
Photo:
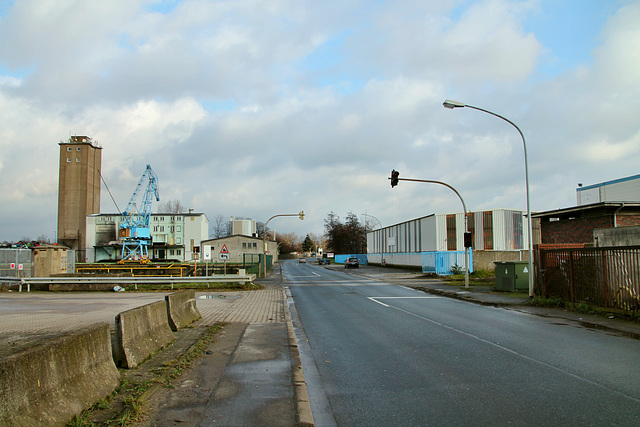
(134, 225)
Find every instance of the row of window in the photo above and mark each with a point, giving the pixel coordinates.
(77, 160)
(172, 228)
(69, 148)
(246, 245)
(172, 218)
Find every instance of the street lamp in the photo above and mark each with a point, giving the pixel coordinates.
(455, 104)
(394, 181)
(264, 240)
(383, 237)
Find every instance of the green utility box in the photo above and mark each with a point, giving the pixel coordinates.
(512, 275)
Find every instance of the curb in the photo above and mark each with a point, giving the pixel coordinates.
(303, 407)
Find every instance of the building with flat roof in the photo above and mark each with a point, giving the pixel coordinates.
(618, 190)
(173, 236)
(78, 190)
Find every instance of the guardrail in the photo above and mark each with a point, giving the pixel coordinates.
(170, 280)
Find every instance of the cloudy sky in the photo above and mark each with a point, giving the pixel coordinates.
(252, 108)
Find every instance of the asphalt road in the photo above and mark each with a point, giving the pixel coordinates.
(379, 354)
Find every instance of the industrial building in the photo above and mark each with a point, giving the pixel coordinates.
(173, 236)
(617, 190)
(498, 234)
(78, 190)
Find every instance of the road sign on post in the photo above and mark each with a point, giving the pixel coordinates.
(224, 257)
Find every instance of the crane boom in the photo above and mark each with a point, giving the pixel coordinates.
(134, 225)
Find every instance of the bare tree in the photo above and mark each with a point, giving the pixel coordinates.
(220, 227)
(171, 206)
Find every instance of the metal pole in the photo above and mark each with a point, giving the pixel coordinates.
(466, 229)
(264, 240)
(453, 104)
(383, 236)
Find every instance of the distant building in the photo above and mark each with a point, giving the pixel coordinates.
(240, 248)
(618, 190)
(244, 227)
(78, 190)
(173, 236)
(498, 234)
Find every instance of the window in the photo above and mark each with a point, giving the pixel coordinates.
(517, 230)
(451, 233)
(172, 229)
(68, 148)
(487, 220)
(255, 245)
(172, 252)
(68, 160)
(178, 218)
(178, 251)
(244, 245)
(178, 228)
(77, 159)
(161, 228)
(155, 228)
(77, 148)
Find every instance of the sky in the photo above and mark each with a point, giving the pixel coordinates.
(255, 108)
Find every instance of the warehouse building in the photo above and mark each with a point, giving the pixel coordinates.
(497, 235)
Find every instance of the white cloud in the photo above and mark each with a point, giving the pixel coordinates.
(251, 108)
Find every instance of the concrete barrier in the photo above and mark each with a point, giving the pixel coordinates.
(182, 309)
(51, 382)
(140, 332)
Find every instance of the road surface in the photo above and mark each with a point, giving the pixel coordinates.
(379, 354)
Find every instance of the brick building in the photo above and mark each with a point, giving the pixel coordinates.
(576, 224)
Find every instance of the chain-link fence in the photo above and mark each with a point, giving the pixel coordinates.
(16, 262)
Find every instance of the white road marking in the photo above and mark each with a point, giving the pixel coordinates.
(375, 299)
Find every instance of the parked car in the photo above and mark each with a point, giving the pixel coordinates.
(302, 260)
(352, 262)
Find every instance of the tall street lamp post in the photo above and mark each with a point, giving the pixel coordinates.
(455, 104)
(383, 237)
(264, 240)
(467, 242)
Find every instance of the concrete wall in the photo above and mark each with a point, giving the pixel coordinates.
(620, 236)
(50, 383)
(140, 332)
(49, 261)
(484, 260)
(181, 309)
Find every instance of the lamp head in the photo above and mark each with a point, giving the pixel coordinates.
(452, 104)
(301, 214)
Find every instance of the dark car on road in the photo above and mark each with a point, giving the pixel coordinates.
(352, 262)
(323, 261)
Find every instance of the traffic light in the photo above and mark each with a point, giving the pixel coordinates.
(394, 177)
(467, 240)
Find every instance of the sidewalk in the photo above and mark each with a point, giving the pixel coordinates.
(249, 375)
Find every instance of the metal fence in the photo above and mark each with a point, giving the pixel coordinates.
(444, 263)
(604, 277)
(15, 262)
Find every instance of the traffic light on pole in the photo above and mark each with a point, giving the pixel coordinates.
(467, 240)
(394, 177)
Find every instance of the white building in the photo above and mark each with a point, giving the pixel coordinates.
(244, 227)
(497, 230)
(173, 236)
(618, 190)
